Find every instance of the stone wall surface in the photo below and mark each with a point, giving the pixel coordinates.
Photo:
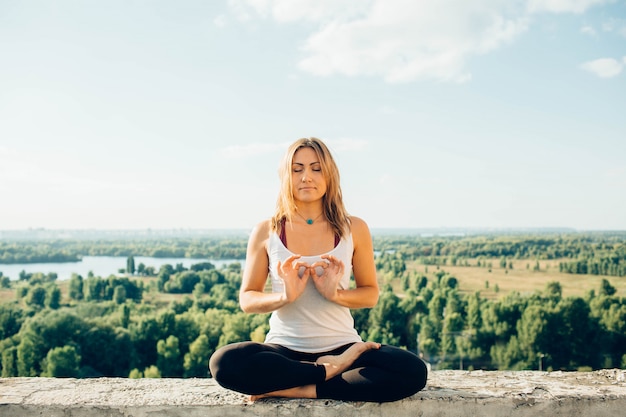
(448, 393)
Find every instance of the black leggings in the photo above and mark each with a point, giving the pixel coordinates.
(379, 375)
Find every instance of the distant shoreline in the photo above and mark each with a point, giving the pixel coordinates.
(91, 234)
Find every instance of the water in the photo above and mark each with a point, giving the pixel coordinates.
(102, 266)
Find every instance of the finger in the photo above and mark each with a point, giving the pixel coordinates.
(292, 258)
(318, 268)
(331, 259)
(303, 269)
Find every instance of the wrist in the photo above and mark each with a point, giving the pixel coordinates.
(338, 296)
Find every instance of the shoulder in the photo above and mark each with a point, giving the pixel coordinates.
(360, 231)
(260, 233)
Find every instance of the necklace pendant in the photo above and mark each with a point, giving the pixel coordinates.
(309, 221)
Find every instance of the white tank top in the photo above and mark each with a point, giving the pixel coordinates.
(311, 323)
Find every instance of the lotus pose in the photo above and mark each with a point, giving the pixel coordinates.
(310, 249)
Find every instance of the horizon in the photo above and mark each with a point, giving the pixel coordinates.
(177, 232)
(161, 115)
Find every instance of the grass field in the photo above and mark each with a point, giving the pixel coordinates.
(521, 278)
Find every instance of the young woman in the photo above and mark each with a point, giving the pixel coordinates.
(310, 249)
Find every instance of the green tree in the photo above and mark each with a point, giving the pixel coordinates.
(145, 333)
(577, 330)
(11, 319)
(509, 355)
(553, 291)
(76, 287)
(533, 331)
(474, 319)
(36, 296)
(212, 325)
(44, 331)
(125, 316)
(429, 338)
(169, 361)
(27, 358)
(53, 297)
(130, 265)
(5, 282)
(236, 328)
(107, 350)
(9, 361)
(453, 323)
(62, 362)
(119, 294)
(152, 372)
(197, 359)
(606, 288)
(387, 321)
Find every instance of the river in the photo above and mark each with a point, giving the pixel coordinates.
(102, 266)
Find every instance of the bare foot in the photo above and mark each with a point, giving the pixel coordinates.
(336, 364)
(307, 391)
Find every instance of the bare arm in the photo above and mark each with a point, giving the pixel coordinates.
(366, 293)
(252, 295)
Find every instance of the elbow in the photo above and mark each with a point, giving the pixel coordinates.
(248, 303)
(375, 297)
(244, 303)
(372, 299)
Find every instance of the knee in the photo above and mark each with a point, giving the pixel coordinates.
(221, 362)
(214, 363)
(419, 375)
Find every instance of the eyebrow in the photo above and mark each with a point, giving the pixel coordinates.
(301, 164)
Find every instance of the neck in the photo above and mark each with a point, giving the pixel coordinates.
(310, 216)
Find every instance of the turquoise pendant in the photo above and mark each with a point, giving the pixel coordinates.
(309, 221)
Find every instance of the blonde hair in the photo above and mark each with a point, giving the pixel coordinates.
(332, 202)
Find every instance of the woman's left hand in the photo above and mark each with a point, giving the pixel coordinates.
(326, 275)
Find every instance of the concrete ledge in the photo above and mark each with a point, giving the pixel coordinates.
(449, 393)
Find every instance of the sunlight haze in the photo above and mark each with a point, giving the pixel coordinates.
(160, 114)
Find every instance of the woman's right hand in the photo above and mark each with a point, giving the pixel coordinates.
(295, 276)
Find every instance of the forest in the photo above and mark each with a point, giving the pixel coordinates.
(167, 322)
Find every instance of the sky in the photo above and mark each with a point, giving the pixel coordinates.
(440, 113)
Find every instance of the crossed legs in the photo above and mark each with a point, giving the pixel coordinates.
(362, 371)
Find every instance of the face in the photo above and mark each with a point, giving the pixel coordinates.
(308, 182)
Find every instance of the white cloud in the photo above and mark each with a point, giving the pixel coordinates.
(562, 6)
(294, 10)
(404, 40)
(614, 25)
(604, 67)
(588, 30)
